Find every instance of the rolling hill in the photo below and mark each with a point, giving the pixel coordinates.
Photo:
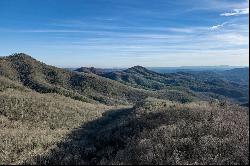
(238, 75)
(48, 79)
(87, 87)
(200, 84)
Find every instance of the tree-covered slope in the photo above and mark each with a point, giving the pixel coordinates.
(81, 86)
(48, 79)
(237, 75)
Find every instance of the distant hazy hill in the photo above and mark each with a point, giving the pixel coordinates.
(238, 75)
(90, 70)
(191, 68)
(96, 70)
(139, 76)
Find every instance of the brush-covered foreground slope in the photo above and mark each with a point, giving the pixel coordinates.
(158, 132)
(31, 123)
(202, 84)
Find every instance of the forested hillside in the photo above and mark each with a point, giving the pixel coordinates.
(224, 85)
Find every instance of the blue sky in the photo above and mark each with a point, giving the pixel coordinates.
(124, 33)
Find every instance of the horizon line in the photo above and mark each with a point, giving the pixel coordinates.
(184, 67)
(130, 66)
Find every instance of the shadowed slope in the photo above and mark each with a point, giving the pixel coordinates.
(158, 132)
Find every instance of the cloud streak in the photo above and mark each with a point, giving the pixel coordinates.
(216, 27)
(232, 38)
(236, 12)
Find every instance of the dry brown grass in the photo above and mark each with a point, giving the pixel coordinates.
(193, 133)
(158, 132)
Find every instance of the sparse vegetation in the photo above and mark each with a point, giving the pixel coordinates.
(31, 123)
(50, 115)
(158, 132)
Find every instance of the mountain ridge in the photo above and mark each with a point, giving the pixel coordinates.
(129, 85)
(45, 78)
(205, 82)
(81, 86)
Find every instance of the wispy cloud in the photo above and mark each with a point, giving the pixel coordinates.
(215, 27)
(232, 38)
(218, 5)
(236, 12)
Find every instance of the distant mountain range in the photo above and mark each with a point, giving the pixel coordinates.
(171, 69)
(231, 83)
(133, 84)
(192, 68)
